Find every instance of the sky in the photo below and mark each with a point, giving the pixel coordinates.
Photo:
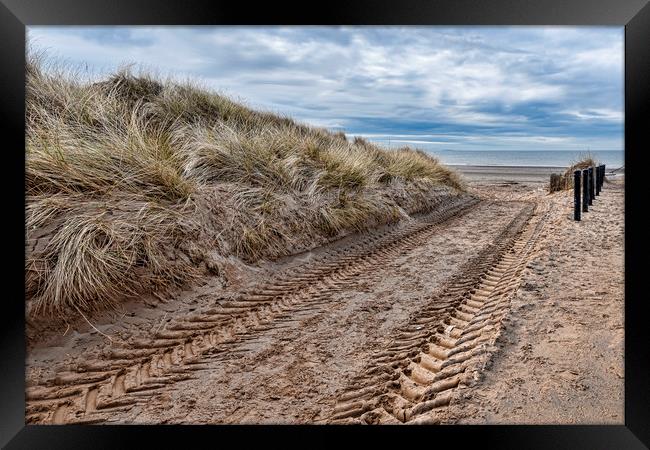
(437, 88)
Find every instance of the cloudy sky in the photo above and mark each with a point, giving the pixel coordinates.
(464, 88)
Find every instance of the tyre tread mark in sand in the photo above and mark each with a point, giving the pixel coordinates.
(445, 346)
(131, 373)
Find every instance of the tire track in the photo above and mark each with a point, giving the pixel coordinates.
(445, 346)
(130, 373)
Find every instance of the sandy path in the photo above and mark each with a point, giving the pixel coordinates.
(560, 356)
(303, 347)
(292, 374)
(464, 315)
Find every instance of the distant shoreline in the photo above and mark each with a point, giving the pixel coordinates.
(505, 166)
(509, 173)
(525, 158)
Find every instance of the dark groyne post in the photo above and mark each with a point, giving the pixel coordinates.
(556, 183)
(592, 192)
(585, 190)
(599, 184)
(597, 174)
(576, 195)
(602, 180)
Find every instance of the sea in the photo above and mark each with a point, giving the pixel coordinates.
(549, 158)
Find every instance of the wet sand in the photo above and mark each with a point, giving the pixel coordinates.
(507, 173)
(523, 174)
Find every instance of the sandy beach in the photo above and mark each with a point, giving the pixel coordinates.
(320, 225)
(538, 174)
(559, 357)
(500, 310)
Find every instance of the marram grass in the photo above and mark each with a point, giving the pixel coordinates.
(136, 185)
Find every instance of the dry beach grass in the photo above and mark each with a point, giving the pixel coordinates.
(565, 181)
(135, 185)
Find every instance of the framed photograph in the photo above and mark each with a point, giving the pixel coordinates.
(260, 220)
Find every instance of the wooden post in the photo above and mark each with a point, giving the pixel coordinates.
(556, 183)
(592, 192)
(602, 176)
(585, 190)
(576, 195)
(599, 179)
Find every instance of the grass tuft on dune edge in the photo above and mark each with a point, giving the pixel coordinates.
(565, 181)
(135, 186)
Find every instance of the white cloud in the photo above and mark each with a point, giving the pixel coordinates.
(599, 114)
(535, 81)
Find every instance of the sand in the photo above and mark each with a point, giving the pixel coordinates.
(537, 174)
(560, 355)
(516, 310)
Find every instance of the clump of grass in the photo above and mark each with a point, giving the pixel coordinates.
(417, 165)
(105, 250)
(129, 88)
(136, 185)
(565, 181)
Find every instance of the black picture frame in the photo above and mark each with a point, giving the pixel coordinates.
(15, 15)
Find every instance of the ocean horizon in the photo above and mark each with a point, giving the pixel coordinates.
(526, 158)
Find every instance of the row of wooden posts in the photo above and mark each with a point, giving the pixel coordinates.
(592, 183)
